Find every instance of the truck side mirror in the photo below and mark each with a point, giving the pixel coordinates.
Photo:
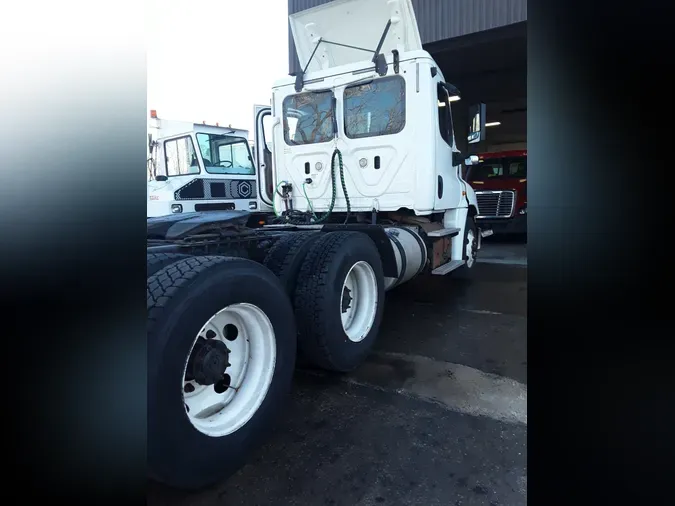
(472, 160)
(477, 123)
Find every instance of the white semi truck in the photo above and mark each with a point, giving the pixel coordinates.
(198, 167)
(365, 182)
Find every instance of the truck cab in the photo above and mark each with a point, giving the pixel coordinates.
(198, 167)
(500, 182)
(386, 115)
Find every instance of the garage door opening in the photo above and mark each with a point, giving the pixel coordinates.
(490, 67)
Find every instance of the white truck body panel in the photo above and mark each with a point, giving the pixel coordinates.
(411, 160)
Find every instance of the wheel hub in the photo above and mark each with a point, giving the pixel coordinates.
(346, 299)
(208, 362)
(358, 303)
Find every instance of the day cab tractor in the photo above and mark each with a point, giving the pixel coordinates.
(364, 180)
(500, 183)
(197, 167)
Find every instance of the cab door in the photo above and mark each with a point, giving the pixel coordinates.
(448, 184)
(263, 154)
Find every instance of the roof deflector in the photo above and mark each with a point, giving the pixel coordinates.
(378, 58)
(341, 31)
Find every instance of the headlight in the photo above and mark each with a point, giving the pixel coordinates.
(176, 208)
(253, 205)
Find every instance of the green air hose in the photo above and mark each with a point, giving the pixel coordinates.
(274, 206)
(309, 202)
(314, 219)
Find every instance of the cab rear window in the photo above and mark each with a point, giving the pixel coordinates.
(308, 118)
(375, 108)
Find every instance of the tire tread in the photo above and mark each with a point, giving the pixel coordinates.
(157, 261)
(281, 256)
(167, 282)
(309, 299)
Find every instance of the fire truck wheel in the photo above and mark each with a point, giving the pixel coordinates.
(221, 355)
(286, 256)
(157, 261)
(470, 242)
(339, 300)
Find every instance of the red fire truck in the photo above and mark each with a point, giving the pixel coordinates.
(500, 182)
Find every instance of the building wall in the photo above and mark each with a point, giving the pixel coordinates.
(440, 19)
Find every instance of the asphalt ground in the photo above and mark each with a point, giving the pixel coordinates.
(436, 416)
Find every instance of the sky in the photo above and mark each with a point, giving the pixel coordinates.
(213, 60)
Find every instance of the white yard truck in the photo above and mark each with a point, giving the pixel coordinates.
(197, 167)
(364, 178)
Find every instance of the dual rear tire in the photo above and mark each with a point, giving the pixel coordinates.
(336, 283)
(222, 344)
(221, 355)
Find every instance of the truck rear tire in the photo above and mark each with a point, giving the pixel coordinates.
(221, 355)
(285, 258)
(157, 261)
(339, 300)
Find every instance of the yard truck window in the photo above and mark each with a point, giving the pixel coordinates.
(225, 154)
(180, 157)
(308, 118)
(375, 108)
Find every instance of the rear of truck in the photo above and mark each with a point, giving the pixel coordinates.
(365, 184)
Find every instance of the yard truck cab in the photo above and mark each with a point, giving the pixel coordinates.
(198, 167)
(360, 166)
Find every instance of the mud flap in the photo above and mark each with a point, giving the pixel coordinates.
(483, 233)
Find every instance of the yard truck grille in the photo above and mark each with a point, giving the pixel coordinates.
(495, 204)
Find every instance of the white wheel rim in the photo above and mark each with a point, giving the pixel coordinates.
(220, 409)
(358, 301)
(470, 252)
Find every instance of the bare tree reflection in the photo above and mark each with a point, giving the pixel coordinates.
(315, 117)
(376, 108)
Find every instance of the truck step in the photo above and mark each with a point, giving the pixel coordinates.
(449, 267)
(443, 232)
(486, 233)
